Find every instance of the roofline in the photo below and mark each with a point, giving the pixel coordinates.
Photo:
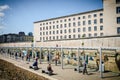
(69, 15)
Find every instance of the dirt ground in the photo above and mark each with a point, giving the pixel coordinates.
(9, 71)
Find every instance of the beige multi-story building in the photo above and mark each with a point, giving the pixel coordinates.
(99, 27)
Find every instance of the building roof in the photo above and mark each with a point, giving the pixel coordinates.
(69, 15)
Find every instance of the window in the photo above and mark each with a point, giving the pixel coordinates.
(69, 19)
(101, 28)
(89, 35)
(57, 32)
(73, 18)
(118, 30)
(57, 21)
(95, 34)
(89, 28)
(53, 27)
(57, 37)
(95, 15)
(60, 37)
(43, 33)
(49, 27)
(60, 25)
(50, 38)
(101, 34)
(46, 23)
(53, 37)
(60, 20)
(53, 22)
(78, 29)
(73, 36)
(118, 20)
(40, 28)
(78, 23)
(65, 31)
(53, 32)
(69, 36)
(95, 21)
(69, 24)
(101, 14)
(95, 28)
(69, 30)
(89, 16)
(65, 20)
(89, 22)
(46, 27)
(74, 24)
(40, 38)
(57, 26)
(83, 22)
(49, 32)
(78, 17)
(61, 31)
(49, 22)
(74, 30)
(78, 35)
(40, 33)
(65, 25)
(117, 1)
(46, 33)
(65, 36)
(117, 9)
(84, 29)
(101, 20)
(83, 17)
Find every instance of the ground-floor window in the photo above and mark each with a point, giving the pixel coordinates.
(118, 30)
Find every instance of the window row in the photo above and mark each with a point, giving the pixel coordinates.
(74, 24)
(74, 30)
(69, 36)
(69, 19)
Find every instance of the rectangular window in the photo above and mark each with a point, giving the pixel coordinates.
(83, 22)
(65, 36)
(78, 35)
(117, 1)
(57, 32)
(74, 30)
(101, 28)
(101, 20)
(78, 18)
(69, 36)
(65, 25)
(78, 23)
(118, 30)
(60, 37)
(73, 36)
(69, 30)
(95, 15)
(95, 21)
(57, 37)
(89, 35)
(101, 34)
(49, 32)
(118, 20)
(57, 26)
(61, 31)
(89, 28)
(53, 32)
(95, 34)
(89, 16)
(89, 22)
(60, 25)
(69, 24)
(74, 24)
(53, 27)
(65, 20)
(95, 28)
(84, 29)
(117, 10)
(78, 29)
(65, 31)
(73, 18)
(83, 17)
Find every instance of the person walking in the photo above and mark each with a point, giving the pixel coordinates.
(85, 68)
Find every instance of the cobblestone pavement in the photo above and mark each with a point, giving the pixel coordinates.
(67, 73)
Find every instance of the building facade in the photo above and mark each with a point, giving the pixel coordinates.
(101, 25)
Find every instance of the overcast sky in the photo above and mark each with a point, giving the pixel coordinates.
(19, 15)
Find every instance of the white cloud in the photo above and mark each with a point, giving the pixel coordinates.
(2, 14)
(1, 27)
(4, 7)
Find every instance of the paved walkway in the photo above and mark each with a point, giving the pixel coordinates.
(61, 74)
